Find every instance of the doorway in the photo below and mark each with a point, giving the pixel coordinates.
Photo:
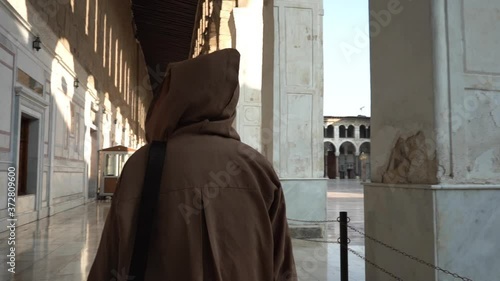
(28, 155)
(23, 155)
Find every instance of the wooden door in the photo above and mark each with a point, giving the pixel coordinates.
(332, 165)
(23, 155)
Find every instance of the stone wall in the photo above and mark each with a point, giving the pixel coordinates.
(99, 36)
(86, 88)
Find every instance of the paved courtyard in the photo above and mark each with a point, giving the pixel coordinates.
(346, 196)
(62, 247)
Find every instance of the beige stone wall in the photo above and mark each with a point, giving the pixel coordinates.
(99, 35)
(89, 41)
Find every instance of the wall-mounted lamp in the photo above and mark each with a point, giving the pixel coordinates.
(76, 83)
(37, 44)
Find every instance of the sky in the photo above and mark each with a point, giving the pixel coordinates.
(346, 54)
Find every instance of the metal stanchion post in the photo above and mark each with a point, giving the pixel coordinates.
(344, 275)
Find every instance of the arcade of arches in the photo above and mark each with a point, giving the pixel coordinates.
(347, 147)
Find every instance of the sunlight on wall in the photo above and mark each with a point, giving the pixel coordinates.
(90, 82)
(22, 9)
(126, 136)
(115, 65)
(118, 126)
(104, 41)
(96, 21)
(63, 91)
(120, 73)
(87, 13)
(20, 6)
(106, 122)
(251, 73)
(110, 50)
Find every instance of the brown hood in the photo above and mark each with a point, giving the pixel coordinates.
(197, 96)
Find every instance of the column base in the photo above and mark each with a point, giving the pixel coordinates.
(454, 227)
(306, 199)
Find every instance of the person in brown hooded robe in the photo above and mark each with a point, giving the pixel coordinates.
(221, 211)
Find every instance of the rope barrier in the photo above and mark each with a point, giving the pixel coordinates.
(455, 275)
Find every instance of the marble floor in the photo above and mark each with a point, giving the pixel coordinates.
(62, 247)
(346, 196)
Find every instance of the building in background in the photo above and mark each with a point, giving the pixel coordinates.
(347, 147)
(73, 80)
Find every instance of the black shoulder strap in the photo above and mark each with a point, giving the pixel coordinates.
(147, 210)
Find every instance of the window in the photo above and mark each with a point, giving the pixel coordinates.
(342, 131)
(24, 79)
(362, 131)
(329, 131)
(350, 131)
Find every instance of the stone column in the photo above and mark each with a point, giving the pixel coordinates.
(293, 104)
(356, 165)
(248, 37)
(337, 155)
(434, 150)
(336, 134)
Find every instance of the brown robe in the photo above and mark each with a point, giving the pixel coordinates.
(221, 213)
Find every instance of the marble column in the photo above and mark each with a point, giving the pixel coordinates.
(356, 165)
(248, 38)
(434, 149)
(292, 105)
(337, 168)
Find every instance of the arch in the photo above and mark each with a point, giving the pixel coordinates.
(330, 167)
(329, 146)
(347, 160)
(350, 131)
(351, 148)
(329, 131)
(362, 132)
(342, 131)
(365, 147)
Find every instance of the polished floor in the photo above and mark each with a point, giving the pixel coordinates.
(346, 196)
(62, 247)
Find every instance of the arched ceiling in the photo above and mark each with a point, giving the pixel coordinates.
(164, 30)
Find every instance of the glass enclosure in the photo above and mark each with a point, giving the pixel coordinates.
(114, 164)
(111, 163)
